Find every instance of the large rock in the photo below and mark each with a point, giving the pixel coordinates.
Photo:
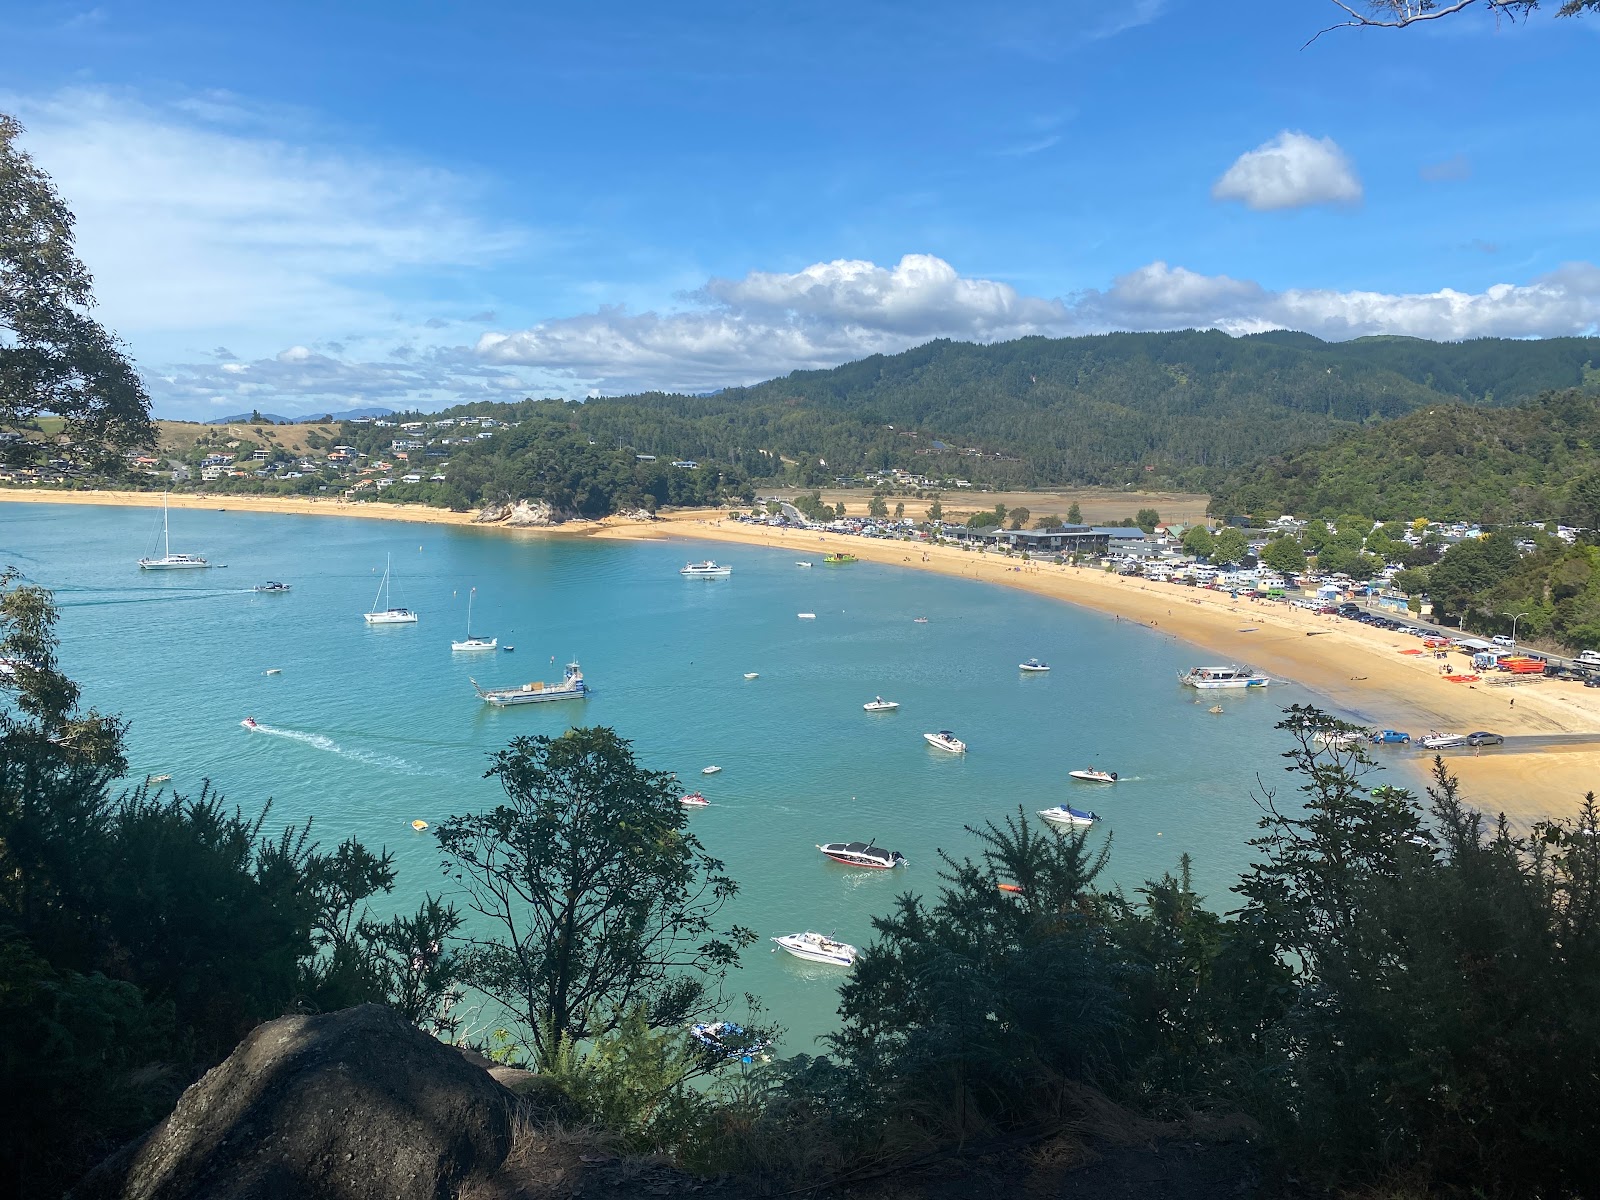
(354, 1105)
(523, 513)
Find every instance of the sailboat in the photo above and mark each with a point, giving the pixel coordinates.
(474, 643)
(168, 560)
(387, 615)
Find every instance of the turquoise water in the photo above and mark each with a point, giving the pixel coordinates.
(372, 728)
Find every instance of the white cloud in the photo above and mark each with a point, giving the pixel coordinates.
(1293, 170)
(198, 223)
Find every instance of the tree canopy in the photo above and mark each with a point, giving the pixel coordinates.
(55, 359)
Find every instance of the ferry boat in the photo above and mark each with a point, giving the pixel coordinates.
(1033, 664)
(838, 558)
(814, 947)
(863, 854)
(1209, 678)
(1065, 814)
(168, 560)
(945, 740)
(272, 585)
(387, 615)
(571, 687)
(705, 570)
(1093, 776)
(879, 704)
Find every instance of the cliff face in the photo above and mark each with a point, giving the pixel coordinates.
(354, 1105)
(528, 513)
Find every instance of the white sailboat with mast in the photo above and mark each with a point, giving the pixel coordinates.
(474, 643)
(387, 615)
(168, 560)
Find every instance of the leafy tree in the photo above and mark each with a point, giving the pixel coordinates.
(1048, 521)
(604, 900)
(1199, 541)
(1019, 518)
(56, 360)
(877, 506)
(1231, 545)
(1283, 554)
(839, 510)
(999, 514)
(1410, 582)
(983, 520)
(1148, 519)
(936, 510)
(899, 510)
(1074, 514)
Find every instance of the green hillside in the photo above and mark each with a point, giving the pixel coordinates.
(1170, 408)
(1444, 462)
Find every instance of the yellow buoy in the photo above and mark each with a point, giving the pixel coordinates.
(419, 826)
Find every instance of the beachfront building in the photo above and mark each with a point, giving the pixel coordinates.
(1065, 539)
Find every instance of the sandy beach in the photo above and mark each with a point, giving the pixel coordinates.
(1360, 669)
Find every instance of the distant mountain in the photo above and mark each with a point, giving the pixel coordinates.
(348, 414)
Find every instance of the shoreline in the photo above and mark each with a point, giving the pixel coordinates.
(1359, 669)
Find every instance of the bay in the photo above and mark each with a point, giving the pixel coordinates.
(371, 728)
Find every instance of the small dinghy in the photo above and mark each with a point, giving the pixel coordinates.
(711, 770)
(1215, 708)
(863, 854)
(273, 671)
(1033, 665)
(919, 620)
(879, 704)
(807, 616)
(1065, 814)
(694, 800)
(419, 826)
(1093, 776)
(814, 947)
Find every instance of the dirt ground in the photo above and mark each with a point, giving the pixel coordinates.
(1099, 506)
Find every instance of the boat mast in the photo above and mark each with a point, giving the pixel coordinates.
(470, 595)
(166, 535)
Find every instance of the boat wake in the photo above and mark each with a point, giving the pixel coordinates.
(319, 741)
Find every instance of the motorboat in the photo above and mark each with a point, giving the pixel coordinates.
(1065, 814)
(945, 740)
(752, 674)
(1093, 776)
(1210, 678)
(863, 854)
(1215, 709)
(272, 585)
(419, 826)
(807, 616)
(388, 614)
(1337, 739)
(571, 687)
(1443, 741)
(1033, 665)
(471, 642)
(919, 620)
(273, 671)
(705, 570)
(711, 770)
(838, 558)
(250, 723)
(814, 947)
(879, 704)
(168, 560)
(727, 1040)
(694, 800)
(164, 777)
(802, 564)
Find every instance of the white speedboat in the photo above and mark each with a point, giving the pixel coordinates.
(1065, 814)
(694, 800)
(814, 947)
(863, 854)
(1093, 776)
(945, 740)
(807, 616)
(1211, 678)
(1443, 741)
(388, 614)
(272, 585)
(802, 564)
(752, 674)
(1033, 665)
(471, 642)
(879, 704)
(1337, 739)
(711, 770)
(705, 570)
(168, 560)
(571, 687)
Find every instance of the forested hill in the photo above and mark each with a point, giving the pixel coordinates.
(1445, 462)
(1116, 408)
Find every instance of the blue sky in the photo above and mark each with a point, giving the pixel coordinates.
(296, 207)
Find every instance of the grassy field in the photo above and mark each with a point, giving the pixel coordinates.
(179, 436)
(1099, 506)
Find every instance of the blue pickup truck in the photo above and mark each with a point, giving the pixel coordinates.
(1391, 737)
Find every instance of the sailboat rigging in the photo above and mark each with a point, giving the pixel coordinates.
(168, 560)
(387, 615)
(474, 643)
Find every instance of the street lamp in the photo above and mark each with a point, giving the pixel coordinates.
(1515, 617)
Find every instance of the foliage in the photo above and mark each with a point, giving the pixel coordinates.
(1284, 555)
(56, 360)
(1230, 545)
(604, 902)
(1199, 541)
(1074, 514)
(1147, 519)
(1537, 461)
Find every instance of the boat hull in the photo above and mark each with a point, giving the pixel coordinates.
(161, 564)
(1210, 685)
(472, 644)
(392, 617)
(547, 696)
(820, 950)
(1093, 776)
(1067, 816)
(940, 744)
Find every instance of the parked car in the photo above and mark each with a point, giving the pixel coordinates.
(1443, 741)
(1501, 639)
(1485, 738)
(1391, 737)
